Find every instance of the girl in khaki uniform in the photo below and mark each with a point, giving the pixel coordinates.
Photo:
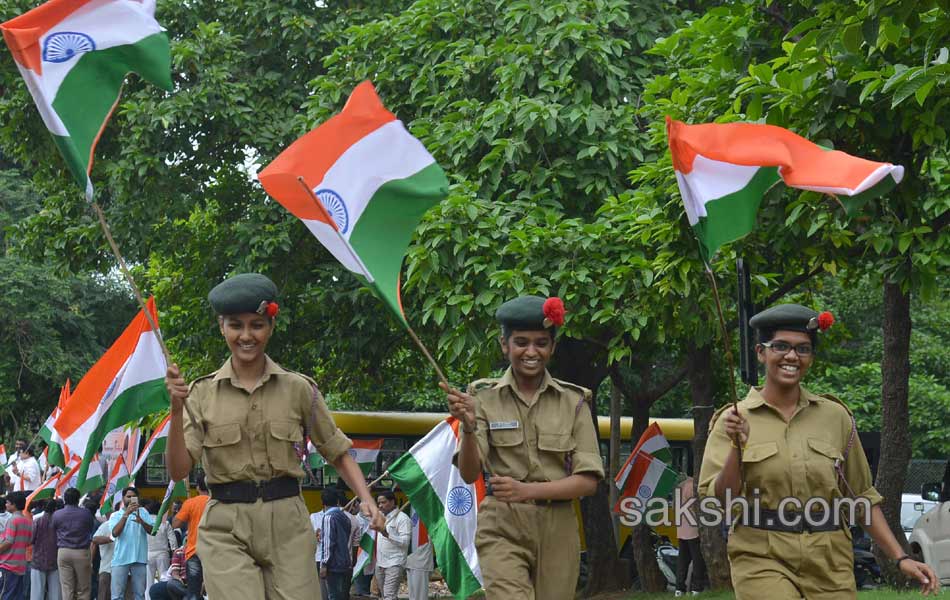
(535, 437)
(255, 540)
(795, 444)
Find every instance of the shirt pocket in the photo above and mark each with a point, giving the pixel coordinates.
(820, 468)
(223, 450)
(553, 451)
(280, 445)
(764, 469)
(507, 452)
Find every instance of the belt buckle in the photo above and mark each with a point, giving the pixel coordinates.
(259, 492)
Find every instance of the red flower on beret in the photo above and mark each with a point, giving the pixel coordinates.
(553, 311)
(272, 309)
(825, 320)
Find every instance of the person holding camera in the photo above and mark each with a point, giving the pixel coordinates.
(130, 527)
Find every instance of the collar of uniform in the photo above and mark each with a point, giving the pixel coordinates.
(755, 399)
(227, 371)
(508, 379)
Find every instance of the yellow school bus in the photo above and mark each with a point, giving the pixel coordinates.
(400, 430)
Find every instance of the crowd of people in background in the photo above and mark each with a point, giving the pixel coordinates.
(65, 549)
(396, 557)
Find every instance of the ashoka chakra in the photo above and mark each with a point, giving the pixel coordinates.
(336, 207)
(460, 501)
(64, 45)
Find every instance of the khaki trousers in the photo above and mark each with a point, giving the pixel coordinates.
(789, 566)
(75, 573)
(528, 552)
(258, 551)
(388, 579)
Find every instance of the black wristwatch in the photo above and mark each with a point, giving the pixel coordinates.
(472, 430)
(897, 562)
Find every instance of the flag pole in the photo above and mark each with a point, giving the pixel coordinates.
(346, 244)
(138, 296)
(727, 341)
(369, 486)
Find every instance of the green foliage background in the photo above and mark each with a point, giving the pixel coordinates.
(548, 118)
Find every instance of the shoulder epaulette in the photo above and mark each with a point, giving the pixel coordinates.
(481, 384)
(309, 379)
(836, 400)
(583, 391)
(715, 416)
(192, 385)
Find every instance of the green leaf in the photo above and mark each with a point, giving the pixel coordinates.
(909, 88)
(803, 26)
(754, 110)
(762, 72)
(922, 93)
(852, 38)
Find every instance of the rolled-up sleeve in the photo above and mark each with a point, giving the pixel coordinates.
(717, 449)
(857, 472)
(586, 456)
(331, 443)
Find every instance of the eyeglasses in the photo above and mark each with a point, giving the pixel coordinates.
(784, 347)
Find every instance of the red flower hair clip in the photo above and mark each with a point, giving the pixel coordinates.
(268, 308)
(825, 320)
(553, 312)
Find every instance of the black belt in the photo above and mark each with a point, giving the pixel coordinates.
(251, 491)
(795, 522)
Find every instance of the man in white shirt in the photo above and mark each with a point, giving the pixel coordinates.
(419, 563)
(392, 546)
(25, 470)
(316, 521)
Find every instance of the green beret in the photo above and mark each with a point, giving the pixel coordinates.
(525, 313)
(245, 293)
(789, 317)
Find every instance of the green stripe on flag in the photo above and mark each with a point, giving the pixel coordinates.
(732, 216)
(134, 403)
(175, 489)
(91, 88)
(384, 230)
(414, 483)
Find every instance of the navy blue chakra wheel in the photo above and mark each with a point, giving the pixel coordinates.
(65, 45)
(336, 207)
(460, 501)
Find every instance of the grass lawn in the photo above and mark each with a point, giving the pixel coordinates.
(882, 594)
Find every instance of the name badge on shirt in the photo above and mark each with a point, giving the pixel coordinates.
(499, 425)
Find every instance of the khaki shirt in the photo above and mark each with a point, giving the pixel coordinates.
(530, 439)
(793, 459)
(251, 436)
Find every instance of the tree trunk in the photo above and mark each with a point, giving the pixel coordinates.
(712, 542)
(895, 437)
(580, 363)
(616, 412)
(651, 578)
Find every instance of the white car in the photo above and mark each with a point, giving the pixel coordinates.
(913, 506)
(930, 539)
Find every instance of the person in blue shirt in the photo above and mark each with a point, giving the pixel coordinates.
(130, 527)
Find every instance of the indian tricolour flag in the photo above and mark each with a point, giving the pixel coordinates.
(126, 384)
(46, 490)
(54, 443)
(446, 504)
(366, 552)
(74, 56)
(373, 182)
(175, 489)
(647, 473)
(364, 452)
(119, 479)
(155, 445)
(723, 171)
